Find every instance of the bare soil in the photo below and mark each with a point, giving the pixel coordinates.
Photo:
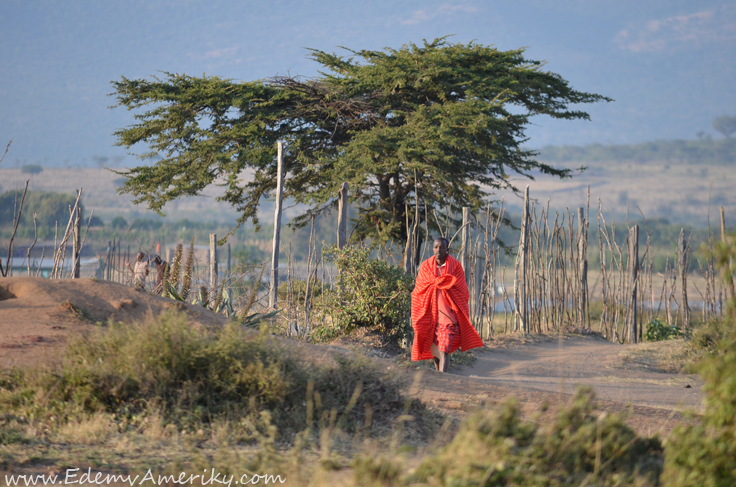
(37, 317)
(543, 372)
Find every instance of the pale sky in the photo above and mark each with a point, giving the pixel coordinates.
(669, 64)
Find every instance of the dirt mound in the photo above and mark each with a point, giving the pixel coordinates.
(37, 315)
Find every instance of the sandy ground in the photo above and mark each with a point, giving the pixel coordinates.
(545, 372)
(37, 316)
(562, 365)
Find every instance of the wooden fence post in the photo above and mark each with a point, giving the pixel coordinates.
(342, 216)
(77, 243)
(213, 265)
(273, 292)
(108, 261)
(684, 264)
(465, 242)
(409, 251)
(731, 288)
(520, 308)
(634, 332)
(583, 267)
(228, 291)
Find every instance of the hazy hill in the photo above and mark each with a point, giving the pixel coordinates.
(675, 180)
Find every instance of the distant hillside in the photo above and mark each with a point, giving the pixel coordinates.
(683, 181)
(707, 151)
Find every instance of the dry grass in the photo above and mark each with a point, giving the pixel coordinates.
(670, 356)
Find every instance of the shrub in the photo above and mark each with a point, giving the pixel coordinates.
(495, 448)
(119, 222)
(705, 454)
(190, 375)
(658, 330)
(372, 294)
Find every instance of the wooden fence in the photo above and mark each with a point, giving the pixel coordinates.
(550, 279)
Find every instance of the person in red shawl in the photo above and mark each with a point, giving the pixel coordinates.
(439, 309)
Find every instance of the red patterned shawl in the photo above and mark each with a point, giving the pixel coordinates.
(424, 306)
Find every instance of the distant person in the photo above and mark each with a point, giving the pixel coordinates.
(440, 314)
(160, 274)
(140, 271)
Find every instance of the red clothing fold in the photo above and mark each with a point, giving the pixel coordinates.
(424, 312)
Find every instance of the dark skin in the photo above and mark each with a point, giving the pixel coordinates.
(441, 359)
(440, 250)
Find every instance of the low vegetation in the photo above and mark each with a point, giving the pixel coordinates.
(166, 378)
(170, 396)
(371, 295)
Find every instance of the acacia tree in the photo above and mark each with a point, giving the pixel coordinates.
(438, 125)
(725, 125)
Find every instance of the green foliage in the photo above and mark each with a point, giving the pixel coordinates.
(96, 221)
(372, 294)
(658, 330)
(175, 272)
(193, 376)
(725, 125)
(186, 285)
(119, 222)
(49, 208)
(446, 118)
(31, 169)
(705, 454)
(496, 448)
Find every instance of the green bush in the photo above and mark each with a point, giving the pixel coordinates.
(191, 375)
(705, 454)
(496, 448)
(658, 330)
(711, 336)
(119, 222)
(49, 207)
(372, 294)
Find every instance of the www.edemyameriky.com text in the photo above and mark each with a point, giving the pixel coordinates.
(80, 477)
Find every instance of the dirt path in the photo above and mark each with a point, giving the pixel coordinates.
(548, 370)
(38, 315)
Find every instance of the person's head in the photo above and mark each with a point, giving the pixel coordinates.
(140, 256)
(440, 249)
(157, 260)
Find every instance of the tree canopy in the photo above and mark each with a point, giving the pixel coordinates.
(725, 125)
(438, 125)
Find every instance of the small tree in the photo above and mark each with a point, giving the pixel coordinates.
(437, 125)
(119, 222)
(725, 125)
(31, 169)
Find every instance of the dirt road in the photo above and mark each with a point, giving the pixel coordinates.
(548, 370)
